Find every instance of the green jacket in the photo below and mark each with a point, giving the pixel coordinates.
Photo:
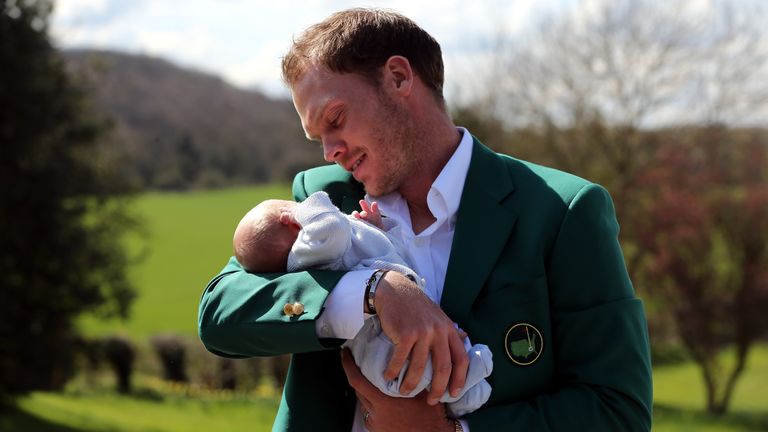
(535, 272)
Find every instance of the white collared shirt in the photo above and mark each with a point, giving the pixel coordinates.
(427, 252)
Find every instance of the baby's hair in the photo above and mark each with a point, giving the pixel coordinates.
(261, 243)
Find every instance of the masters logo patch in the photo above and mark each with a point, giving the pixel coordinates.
(523, 343)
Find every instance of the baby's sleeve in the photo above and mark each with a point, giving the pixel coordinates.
(324, 237)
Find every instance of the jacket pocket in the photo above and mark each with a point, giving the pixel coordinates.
(498, 314)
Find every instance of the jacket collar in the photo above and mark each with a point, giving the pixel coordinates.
(484, 222)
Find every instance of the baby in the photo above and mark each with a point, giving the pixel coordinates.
(278, 236)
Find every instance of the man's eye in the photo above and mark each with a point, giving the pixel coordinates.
(336, 122)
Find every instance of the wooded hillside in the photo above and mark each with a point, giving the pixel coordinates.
(176, 128)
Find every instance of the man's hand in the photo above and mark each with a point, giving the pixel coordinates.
(418, 327)
(387, 414)
(370, 214)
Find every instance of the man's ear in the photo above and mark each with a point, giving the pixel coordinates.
(398, 75)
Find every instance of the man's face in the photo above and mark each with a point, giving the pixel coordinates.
(361, 128)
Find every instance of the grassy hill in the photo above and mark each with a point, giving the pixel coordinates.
(188, 240)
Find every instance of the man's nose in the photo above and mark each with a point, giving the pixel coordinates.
(333, 149)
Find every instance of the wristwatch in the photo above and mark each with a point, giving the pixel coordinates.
(370, 289)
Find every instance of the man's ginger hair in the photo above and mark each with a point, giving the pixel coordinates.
(360, 41)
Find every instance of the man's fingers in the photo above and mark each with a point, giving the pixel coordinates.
(356, 379)
(375, 207)
(460, 361)
(441, 363)
(397, 361)
(419, 357)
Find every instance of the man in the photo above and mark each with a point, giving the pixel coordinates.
(524, 258)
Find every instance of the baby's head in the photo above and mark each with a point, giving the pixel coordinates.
(263, 238)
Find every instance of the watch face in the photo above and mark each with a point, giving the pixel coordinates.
(523, 344)
(370, 289)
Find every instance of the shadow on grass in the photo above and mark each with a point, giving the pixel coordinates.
(747, 421)
(145, 395)
(14, 419)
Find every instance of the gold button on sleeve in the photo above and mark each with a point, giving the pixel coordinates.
(298, 308)
(288, 309)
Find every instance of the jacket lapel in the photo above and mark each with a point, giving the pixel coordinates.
(484, 222)
(350, 193)
(350, 204)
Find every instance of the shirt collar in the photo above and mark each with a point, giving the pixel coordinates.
(444, 195)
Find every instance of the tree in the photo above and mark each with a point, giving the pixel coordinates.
(120, 353)
(585, 85)
(63, 208)
(704, 223)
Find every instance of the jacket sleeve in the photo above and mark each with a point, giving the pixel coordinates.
(603, 378)
(241, 314)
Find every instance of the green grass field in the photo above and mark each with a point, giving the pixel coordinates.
(679, 398)
(110, 412)
(190, 241)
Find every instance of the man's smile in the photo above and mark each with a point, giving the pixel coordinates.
(357, 163)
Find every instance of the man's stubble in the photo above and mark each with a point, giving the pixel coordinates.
(399, 142)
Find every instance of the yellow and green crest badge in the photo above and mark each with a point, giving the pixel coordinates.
(523, 343)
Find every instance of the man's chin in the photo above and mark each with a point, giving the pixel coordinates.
(373, 190)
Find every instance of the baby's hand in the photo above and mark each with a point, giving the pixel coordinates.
(287, 217)
(369, 214)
